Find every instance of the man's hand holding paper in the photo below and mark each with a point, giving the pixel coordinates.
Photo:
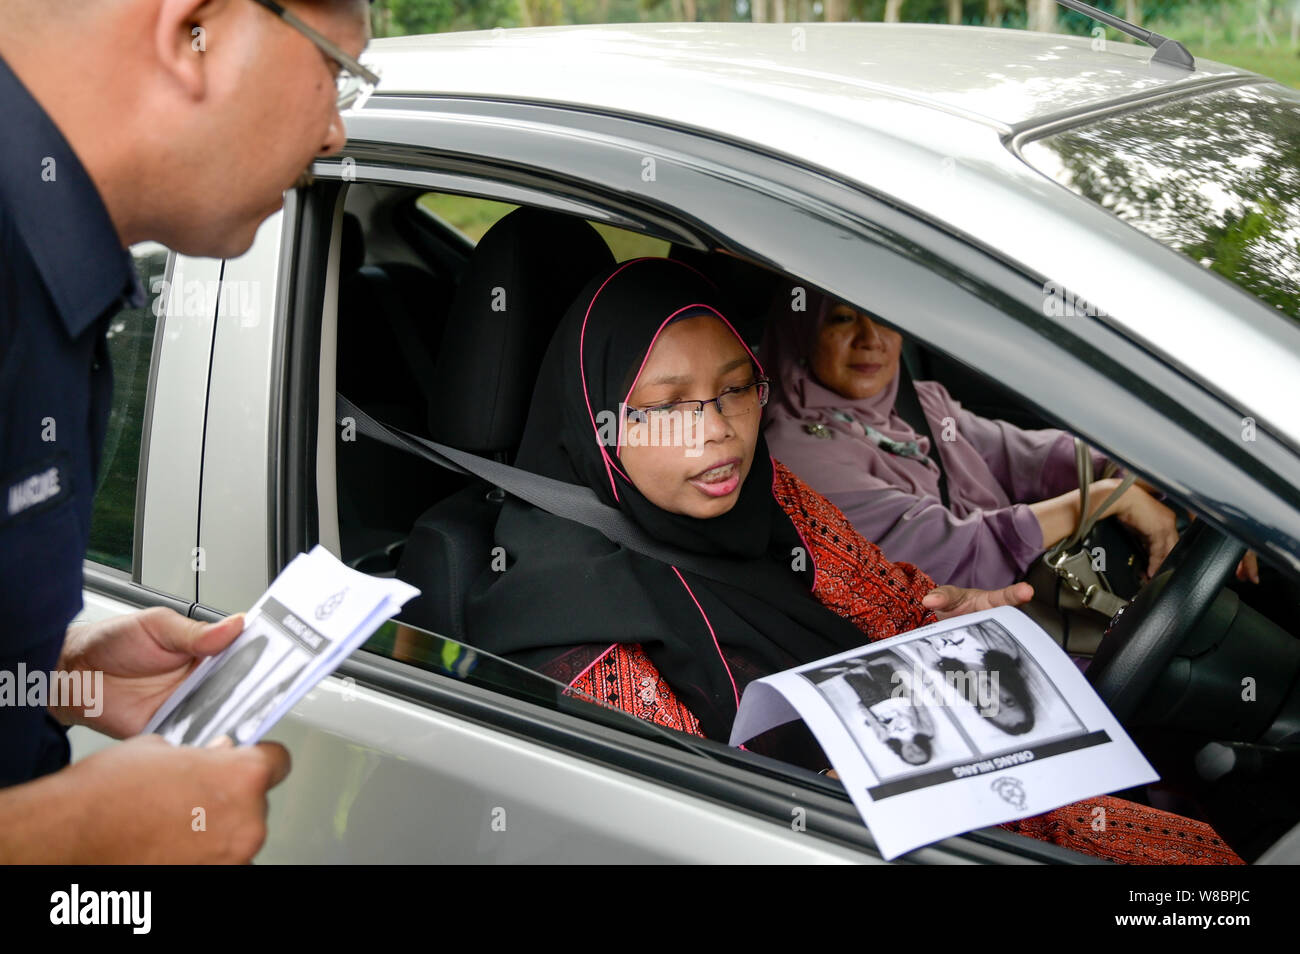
(143, 657)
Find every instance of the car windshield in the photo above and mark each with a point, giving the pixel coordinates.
(1216, 177)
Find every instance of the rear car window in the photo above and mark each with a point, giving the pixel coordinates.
(130, 347)
(1215, 177)
(472, 217)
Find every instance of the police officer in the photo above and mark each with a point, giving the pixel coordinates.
(180, 121)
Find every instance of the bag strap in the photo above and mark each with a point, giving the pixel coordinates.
(569, 501)
(908, 406)
(1071, 563)
(1087, 519)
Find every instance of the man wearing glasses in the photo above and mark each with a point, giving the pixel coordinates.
(182, 122)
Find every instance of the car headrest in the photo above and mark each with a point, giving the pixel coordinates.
(748, 289)
(522, 277)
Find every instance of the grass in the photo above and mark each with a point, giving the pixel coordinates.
(1229, 33)
(1278, 63)
(475, 216)
(470, 215)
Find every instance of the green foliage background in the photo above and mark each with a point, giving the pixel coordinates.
(1259, 35)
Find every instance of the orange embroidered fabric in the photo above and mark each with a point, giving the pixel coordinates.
(1128, 833)
(854, 578)
(625, 678)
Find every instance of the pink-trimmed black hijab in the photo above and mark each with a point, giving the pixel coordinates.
(568, 593)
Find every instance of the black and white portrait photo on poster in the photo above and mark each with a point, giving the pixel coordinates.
(887, 715)
(967, 722)
(995, 690)
(192, 718)
(222, 698)
(252, 719)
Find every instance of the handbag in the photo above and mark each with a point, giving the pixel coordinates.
(1083, 581)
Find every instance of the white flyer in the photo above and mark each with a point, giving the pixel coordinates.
(315, 613)
(969, 722)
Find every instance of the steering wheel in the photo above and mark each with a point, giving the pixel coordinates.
(1143, 637)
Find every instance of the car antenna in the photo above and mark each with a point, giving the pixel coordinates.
(1167, 50)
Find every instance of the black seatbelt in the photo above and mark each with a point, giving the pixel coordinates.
(570, 501)
(908, 406)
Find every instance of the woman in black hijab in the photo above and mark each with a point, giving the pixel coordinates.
(569, 596)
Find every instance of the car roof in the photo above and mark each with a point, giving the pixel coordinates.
(925, 114)
(746, 73)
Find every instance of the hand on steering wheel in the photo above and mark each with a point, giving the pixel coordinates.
(1153, 523)
(1146, 635)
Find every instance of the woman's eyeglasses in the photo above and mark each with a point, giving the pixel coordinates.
(733, 402)
(355, 81)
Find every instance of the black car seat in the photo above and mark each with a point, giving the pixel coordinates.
(390, 321)
(747, 289)
(522, 277)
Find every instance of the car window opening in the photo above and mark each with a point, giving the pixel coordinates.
(417, 270)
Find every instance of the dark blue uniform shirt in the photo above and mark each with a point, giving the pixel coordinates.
(63, 275)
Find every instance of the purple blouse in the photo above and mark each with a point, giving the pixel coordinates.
(987, 537)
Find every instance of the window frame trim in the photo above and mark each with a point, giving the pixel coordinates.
(146, 433)
(113, 583)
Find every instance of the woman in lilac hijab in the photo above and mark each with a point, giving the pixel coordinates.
(1012, 493)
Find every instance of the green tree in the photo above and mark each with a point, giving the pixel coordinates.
(404, 17)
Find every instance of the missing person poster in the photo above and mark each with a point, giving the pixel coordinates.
(970, 722)
(316, 612)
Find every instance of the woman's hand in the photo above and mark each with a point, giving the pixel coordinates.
(1248, 568)
(1152, 521)
(948, 601)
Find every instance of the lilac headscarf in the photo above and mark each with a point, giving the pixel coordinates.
(987, 536)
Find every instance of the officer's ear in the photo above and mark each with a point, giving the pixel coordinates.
(182, 33)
